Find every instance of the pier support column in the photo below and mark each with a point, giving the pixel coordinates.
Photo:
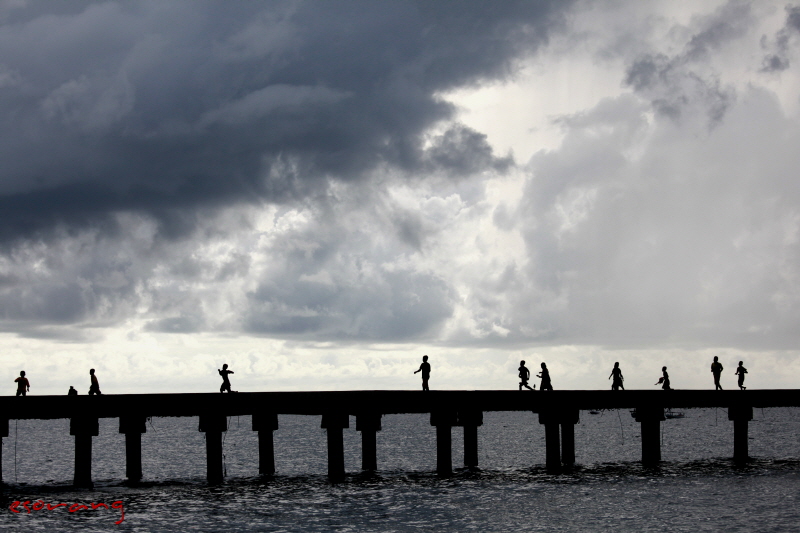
(559, 448)
(133, 427)
(214, 426)
(265, 424)
(369, 424)
(552, 442)
(741, 415)
(650, 418)
(3, 433)
(470, 420)
(569, 418)
(334, 423)
(83, 428)
(444, 421)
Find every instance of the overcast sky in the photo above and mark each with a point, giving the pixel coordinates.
(319, 193)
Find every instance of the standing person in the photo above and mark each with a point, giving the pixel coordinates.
(226, 384)
(664, 379)
(524, 376)
(545, 375)
(94, 388)
(716, 369)
(616, 373)
(425, 368)
(23, 385)
(741, 371)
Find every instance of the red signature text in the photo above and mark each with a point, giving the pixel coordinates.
(40, 505)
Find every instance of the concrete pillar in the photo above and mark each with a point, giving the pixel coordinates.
(444, 421)
(650, 417)
(3, 433)
(741, 415)
(133, 427)
(369, 424)
(559, 448)
(214, 425)
(334, 423)
(265, 424)
(552, 448)
(470, 420)
(567, 443)
(83, 428)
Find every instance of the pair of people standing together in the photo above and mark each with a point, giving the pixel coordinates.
(716, 371)
(525, 375)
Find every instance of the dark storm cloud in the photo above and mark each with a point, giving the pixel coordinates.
(161, 107)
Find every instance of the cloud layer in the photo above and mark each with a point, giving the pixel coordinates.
(307, 174)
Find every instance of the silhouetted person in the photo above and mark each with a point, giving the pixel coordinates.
(524, 376)
(72, 391)
(23, 385)
(425, 368)
(664, 379)
(94, 388)
(716, 369)
(226, 383)
(616, 373)
(545, 375)
(741, 371)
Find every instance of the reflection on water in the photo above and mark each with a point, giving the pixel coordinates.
(696, 488)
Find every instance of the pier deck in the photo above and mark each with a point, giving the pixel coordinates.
(558, 412)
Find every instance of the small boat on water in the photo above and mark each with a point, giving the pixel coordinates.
(669, 413)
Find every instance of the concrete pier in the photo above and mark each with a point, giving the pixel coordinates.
(265, 424)
(369, 424)
(558, 411)
(214, 425)
(334, 423)
(83, 428)
(650, 418)
(133, 427)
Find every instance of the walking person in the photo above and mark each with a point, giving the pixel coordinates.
(524, 376)
(425, 368)
(716, 370)
(226, 383)
(94, 388)
(664, 379)
(545, 375)
(23, 385)
(616, 373)
(741, 371)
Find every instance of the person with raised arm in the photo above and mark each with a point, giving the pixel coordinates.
(226, 383)
(425, 368)
(664, 379)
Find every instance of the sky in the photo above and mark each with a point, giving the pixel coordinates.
(319, 193)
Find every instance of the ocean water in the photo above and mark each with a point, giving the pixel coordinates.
(696, 488)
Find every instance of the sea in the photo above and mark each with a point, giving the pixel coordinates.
(697, 487)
